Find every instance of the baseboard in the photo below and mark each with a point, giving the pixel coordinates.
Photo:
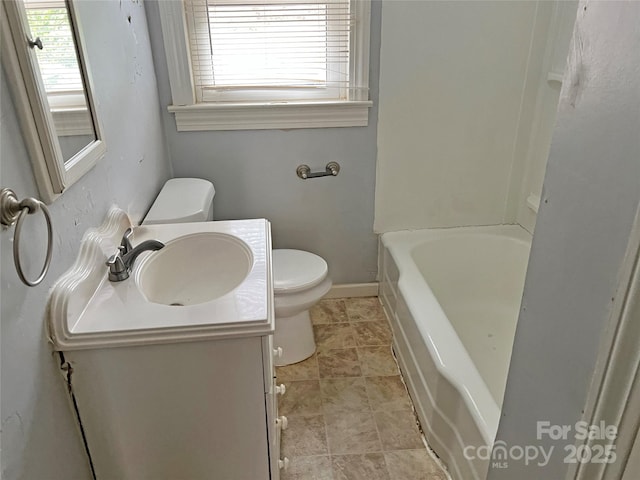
(353, 290)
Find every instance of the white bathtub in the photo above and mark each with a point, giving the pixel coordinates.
(453, 297)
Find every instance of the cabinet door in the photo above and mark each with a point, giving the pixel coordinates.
(191, 410)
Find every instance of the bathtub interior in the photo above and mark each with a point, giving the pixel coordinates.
(479, 286)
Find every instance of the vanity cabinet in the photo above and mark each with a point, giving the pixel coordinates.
(167, 390)
(191, 410)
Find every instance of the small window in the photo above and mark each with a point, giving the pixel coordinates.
(275, 63)
(278, 50)
(58, 64)
(48, 20)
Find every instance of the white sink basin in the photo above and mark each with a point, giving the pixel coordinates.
(194, 269)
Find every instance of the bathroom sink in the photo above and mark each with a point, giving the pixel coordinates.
(194, 269)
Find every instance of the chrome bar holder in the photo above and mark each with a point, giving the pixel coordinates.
(332, 169)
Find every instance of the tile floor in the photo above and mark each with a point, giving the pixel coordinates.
(350, 417)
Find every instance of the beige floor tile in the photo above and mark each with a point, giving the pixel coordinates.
(377, 361)
(413, 465)
(341, 395)
(367, 466)
(349, 414)
(398, 430)
(364, 309)
(387, 393)
(304, 436)
(330, 310)
(331, 336)
(308, 468)
(370, 334)
(339, 363)
(301, 398)
(349, 433)
(305, 370)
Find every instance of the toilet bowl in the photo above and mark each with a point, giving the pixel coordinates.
(300, 279)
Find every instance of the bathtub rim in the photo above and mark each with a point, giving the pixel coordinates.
(454, 364)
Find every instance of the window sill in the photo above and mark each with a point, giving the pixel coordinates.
(264, 116)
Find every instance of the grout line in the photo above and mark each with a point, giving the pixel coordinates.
(314, 456)
(373, 415)
(326, 430)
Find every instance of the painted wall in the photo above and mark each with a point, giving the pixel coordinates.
(590, 197)
(254, 175)
(39, 437)
(458, 87)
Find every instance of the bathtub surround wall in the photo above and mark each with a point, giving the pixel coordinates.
(591, 194)
(457, 108)
(39, 436)
(254, 173)
(530, 162)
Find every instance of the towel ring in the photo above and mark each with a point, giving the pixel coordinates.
(14, 211)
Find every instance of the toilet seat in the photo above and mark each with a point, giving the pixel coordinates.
(296, 270)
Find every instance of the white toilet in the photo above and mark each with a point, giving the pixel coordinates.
(300, 279)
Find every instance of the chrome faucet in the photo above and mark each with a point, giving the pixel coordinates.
(121, 262)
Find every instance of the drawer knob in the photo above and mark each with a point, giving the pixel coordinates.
(280, 389)
(283, 463)
(277, 352)
(282, 422)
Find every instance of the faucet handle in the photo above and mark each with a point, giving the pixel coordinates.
(117, 269)
(125, 244)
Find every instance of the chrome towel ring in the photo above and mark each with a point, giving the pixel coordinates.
(14, 211)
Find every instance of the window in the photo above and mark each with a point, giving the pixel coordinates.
(58, 65)
(254, 64)
(49, 21)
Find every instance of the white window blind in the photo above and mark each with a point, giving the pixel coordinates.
(269, 50)
(58, 63)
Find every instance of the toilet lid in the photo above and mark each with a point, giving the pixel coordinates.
(295, 270)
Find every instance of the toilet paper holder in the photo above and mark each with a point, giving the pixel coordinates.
(331, 170)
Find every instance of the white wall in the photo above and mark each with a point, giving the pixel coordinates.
(254, 175)
(39, 437)
(458, 87)
(590, 197)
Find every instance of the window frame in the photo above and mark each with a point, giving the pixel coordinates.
(191, 115)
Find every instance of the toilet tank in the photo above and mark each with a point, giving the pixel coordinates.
(182, 200)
